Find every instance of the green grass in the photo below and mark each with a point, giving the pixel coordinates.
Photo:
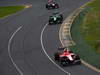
(85, 51)
(7, 10)
(85, 33)
(90, 27)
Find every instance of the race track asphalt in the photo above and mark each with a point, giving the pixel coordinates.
(26, 46)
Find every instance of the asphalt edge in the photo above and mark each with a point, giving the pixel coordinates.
(65, 35)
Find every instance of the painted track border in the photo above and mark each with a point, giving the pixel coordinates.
(9, 51)
(41, 39)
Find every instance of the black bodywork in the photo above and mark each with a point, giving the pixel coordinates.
(64, 61)
(56, 18)
(52, 5)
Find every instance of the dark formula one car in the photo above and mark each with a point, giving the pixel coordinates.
(52, 5)
(56, 18)
(66, 57)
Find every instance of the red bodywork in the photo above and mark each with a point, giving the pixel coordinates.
(67, 54)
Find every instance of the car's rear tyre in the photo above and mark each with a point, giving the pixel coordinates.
(63, 64)
(51, 23)
(47, 7)
(59, 22)
(78, 62)
(56, 6)
(64, 61)
(77, 57)
(56, 56)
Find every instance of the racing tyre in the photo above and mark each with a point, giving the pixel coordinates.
(56, 6)
(47, 7)
(56, 56)
(51, 23)
(77, 57)
(59, 22)
(78, 63)
(63, 61)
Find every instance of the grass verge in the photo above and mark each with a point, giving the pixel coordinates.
(82, 47)
(90, 28)
(8, 10)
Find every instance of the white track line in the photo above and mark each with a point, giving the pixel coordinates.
(9, 44)
(41, 39)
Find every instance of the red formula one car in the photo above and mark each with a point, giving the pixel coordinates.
(66, 57)
(52, 5)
